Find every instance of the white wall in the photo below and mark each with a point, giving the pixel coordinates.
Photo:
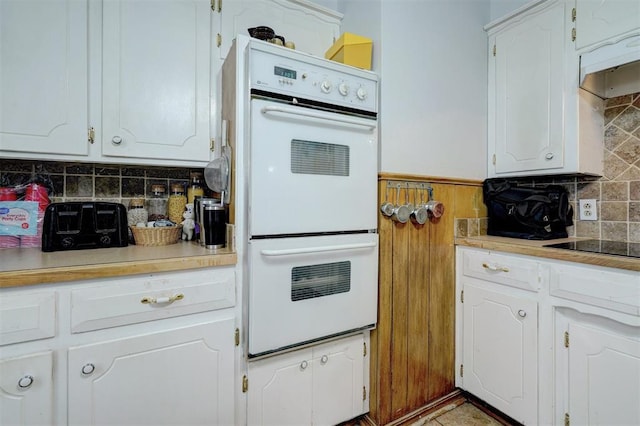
(499, 8)
(431, 56)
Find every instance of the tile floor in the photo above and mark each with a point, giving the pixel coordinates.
(463, 415)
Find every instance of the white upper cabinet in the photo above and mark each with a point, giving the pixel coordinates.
(601, 20)
(43, 76)
(527, 68)
(311, 27)
(156, 79)
(539, 121)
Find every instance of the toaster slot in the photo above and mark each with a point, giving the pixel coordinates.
(106, 220)
(68, 222)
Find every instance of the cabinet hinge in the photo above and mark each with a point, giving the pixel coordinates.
(461, 370)
(364, 351)
(212, 145)
(494, 50)
(567, 420)
(218, 40)
(462, 296)
(573, 15)
(573, 34)
(91, 135)
(493, 159)
(566, 339)
(237, 337)
(364, 393)
(245, 384)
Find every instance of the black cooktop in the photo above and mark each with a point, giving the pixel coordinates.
(616, 248)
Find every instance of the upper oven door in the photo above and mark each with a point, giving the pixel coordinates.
(310, 170)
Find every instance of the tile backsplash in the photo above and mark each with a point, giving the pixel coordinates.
(88, 181)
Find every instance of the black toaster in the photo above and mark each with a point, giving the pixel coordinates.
(84, 225)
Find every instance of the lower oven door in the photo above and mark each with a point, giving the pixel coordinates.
(308, 288)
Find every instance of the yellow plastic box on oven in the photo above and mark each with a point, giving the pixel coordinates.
(351, 49)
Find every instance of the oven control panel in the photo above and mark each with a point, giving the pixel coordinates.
(280, 70)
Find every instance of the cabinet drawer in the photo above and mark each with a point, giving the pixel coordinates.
(512, 271)
(25, 317)
(137, 300)
(611, 289)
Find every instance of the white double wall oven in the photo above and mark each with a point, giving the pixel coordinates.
(309, 192)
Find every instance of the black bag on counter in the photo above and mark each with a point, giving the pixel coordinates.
(529, 213)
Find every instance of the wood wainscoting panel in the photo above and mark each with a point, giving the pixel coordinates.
(412, 347)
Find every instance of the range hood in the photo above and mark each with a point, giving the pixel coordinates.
(612, 70)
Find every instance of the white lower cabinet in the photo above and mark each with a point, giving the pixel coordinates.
(180, 376)
(565, 351)
(603, 375)
(156, 349)
(26, 390)
(320, 385)
(498, 331)
(500, 351)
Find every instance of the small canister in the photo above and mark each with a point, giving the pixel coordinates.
(137, 212)
(157, 204)
(177, 203)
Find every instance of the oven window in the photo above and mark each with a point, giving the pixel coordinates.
(318, 158)
(326, 279)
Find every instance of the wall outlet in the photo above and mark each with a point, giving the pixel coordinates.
(588, 209)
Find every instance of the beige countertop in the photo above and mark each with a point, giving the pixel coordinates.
(535, 248)
(29, 266)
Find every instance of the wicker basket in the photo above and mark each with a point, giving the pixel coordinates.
(160, 236)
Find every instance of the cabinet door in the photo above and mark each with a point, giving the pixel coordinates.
(280, 390)
(156, 79)
(500, 351)
(600, 20)
(26, 390)
(526, 74)
(338, 381)
(181, 376)
(604, 376)
(43, 79)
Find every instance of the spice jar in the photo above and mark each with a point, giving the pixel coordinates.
(137, 212)
(195, 187)
(176, 204)
(157, 204)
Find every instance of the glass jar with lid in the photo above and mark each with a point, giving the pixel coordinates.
(157, 203)
(195, 187)
(137, 213)
(176, 204)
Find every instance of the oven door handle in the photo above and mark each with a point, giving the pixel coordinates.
(296, 251)
(310, 114)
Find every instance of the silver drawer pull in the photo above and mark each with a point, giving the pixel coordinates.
(522, 313)
(165, 299)
(324, 359)
(495, 268)
(304, 365)
(25, 382)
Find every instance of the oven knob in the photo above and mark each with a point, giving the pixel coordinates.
(325, 86)
(343, 88)
(361, 93)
